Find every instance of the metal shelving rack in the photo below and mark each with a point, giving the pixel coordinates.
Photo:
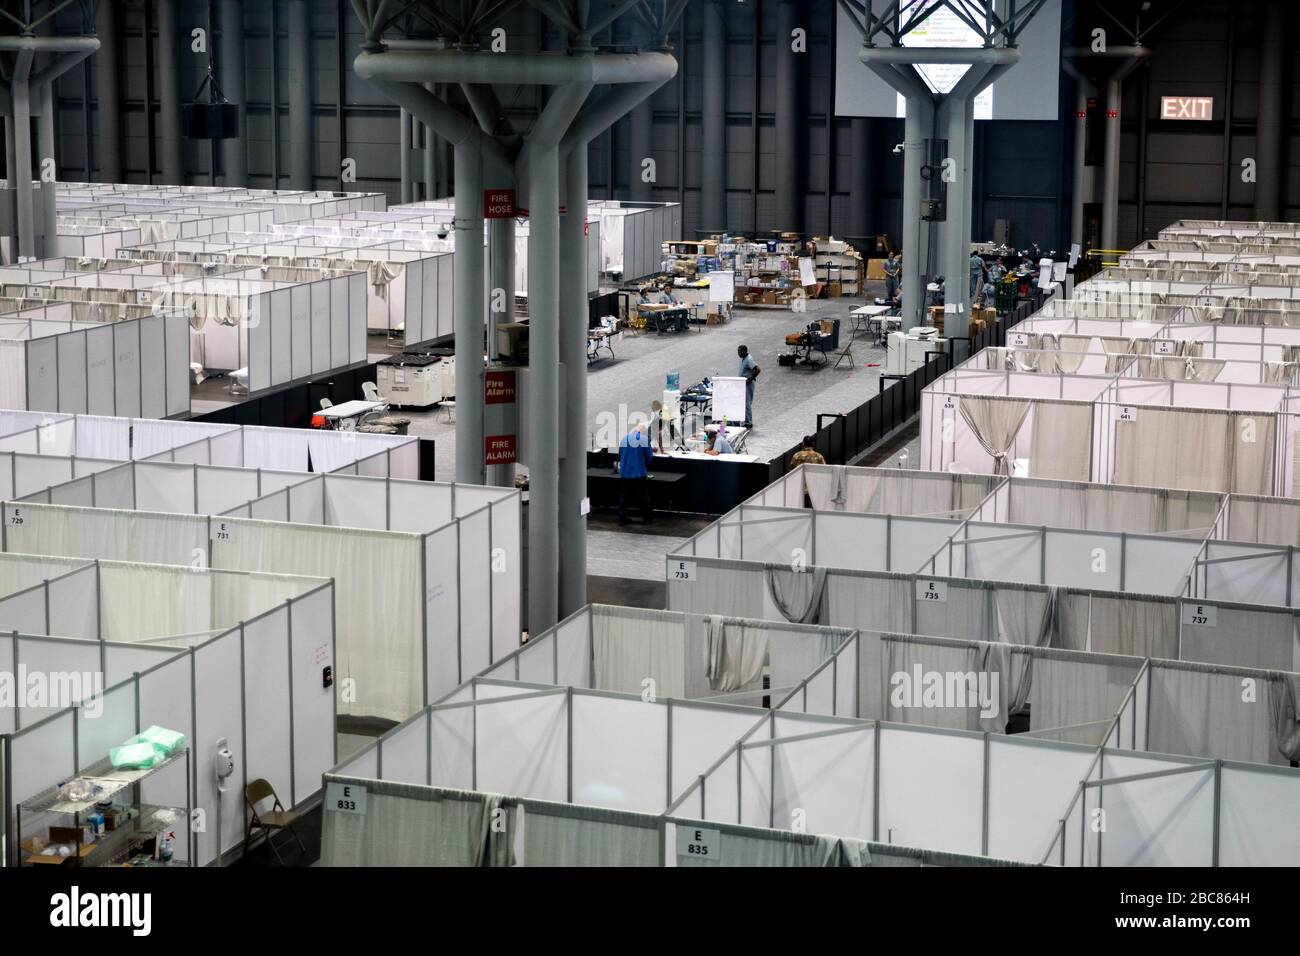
(114, 845)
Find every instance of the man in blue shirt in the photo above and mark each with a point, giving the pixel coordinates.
(748, 371)
(718, 444)
(635, 456)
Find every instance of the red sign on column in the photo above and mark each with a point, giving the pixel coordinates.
(499, 387)
(499, 450)
(499, 204)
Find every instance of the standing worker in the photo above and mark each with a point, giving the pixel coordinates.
(893, 269)
(807, 455)
(976, 274)
(748, 371)
(635, 456)
(997, 272)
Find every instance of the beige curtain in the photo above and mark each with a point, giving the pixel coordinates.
(995, 423)
(1061, 446)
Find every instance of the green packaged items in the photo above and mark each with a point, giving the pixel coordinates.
(134, 756)
(165, 741)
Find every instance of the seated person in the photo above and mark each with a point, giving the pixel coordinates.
(808, 453)
(680, 317)
(718, 444)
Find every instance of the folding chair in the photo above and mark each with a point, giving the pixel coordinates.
(277, 818)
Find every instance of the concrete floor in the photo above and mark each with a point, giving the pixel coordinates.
(786, 401)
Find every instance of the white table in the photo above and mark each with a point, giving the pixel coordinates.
(862, 317)
(348, 411)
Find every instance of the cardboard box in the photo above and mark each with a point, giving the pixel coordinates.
(834, 290)
(769, 297)
(934, 316)
(976, 327)
(876, 269)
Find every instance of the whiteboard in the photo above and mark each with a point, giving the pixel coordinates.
(722, 286)
(729, 399)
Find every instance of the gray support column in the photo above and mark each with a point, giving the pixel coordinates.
(22, 174)
(1082, 191)
(404, 161)
(861, 214)
(469, 313)
(573, 355)
(108, 102)
(640, 125)
(1110, 168)
(432, 149)
(501, 276)
(544, 394)
(1269, 122)
(302, 171)
(713, 121)
(234, 152)
(45, 150)
(170, 156)
(916, 126)
(788, 144)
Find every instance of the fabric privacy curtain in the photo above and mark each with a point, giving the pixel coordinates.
(1024, 616)
(945, 685)
(1264, 521)
(1117, 351)
(1061, 443)
(1253, 436)
(407, 825)
(744, 846)
(870, 602)
(1199, 711)
(798, 595)
(1173, 448)
(1283, 691)
(1136, 626)
(734, 654)
(995, 423)
(558, 835)
(792, 656)
(627, 651)
(1069, 690)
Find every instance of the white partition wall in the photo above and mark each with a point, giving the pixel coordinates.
(207, 686)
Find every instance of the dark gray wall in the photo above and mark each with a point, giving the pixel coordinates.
(1022, 167)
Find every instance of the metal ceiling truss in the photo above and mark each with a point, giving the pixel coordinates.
(460, 22)
(900, 17)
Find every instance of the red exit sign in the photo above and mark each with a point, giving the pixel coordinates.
(499, 450)
(499, 387)
(1187, 107)
(499, 204)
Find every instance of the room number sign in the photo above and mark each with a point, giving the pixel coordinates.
(345, 798)
(1200, 615)
(932, 592)
(699, 844)
(681, 571)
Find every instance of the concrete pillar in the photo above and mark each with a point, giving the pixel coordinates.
(468, 314)
(861, 212)
(45, 149)
(108, 103)
(1110, 167)
(171, 156)
(640, 127)
(1081, 194)
(302, 169)
(543, 399)
(501, 282)
(573, 399)
(1269, 124)
(234, 152)
(916, 234)
(713, 119)
(404, 161)
(432, 151)
(22, 177)
(789, 144)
